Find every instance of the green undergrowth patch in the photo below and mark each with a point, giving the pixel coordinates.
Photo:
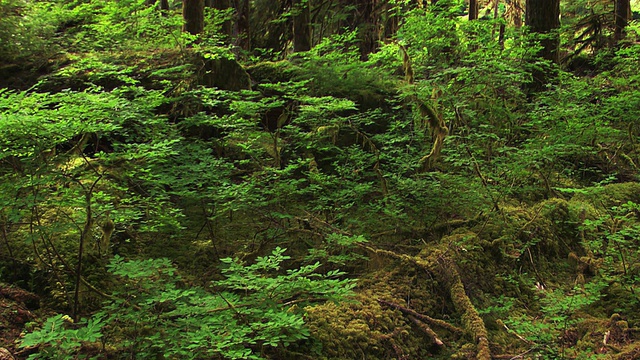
(554, 279)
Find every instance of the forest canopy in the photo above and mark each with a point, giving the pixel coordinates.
(319, 179)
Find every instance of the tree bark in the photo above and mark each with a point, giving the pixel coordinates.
(193, 15)
(243, 28)
(222, 5)
(543, 17)
(473, 9)
(301, 26)
(622, 16)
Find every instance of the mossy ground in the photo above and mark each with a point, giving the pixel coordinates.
(511, 264)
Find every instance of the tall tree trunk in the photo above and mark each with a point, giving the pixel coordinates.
(473, 9)
(496, 7)
(391, 19)
(243, 28)
(622, 16)
(543, 17)
(193, 15)
(367, 27)
(222, 5)
(301, 26)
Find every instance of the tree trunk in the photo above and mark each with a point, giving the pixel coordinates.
(621, 15)
(543, 17)
(222, 5)
(391, 19)
(243, 29)
(367, 27)
(473, 9)
(301, 26)
(193, 15)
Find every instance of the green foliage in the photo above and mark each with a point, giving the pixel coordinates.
(57, 341)
(26, 30)
(559, 312)
(613, 240)
(253, 308)
(339, 250)
(320, 156)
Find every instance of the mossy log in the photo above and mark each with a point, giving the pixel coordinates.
(472, 320)
(427, 330)
(439, 264)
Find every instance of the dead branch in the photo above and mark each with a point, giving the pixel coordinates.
(427, 330)
(412, 313)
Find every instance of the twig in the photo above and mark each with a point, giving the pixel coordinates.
(425, 318)
(515, 333)
(427, 330)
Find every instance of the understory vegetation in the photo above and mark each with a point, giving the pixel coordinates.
(170, 196)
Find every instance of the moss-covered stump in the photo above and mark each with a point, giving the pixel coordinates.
(609, 195)
(438, 262)
(531, 265)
